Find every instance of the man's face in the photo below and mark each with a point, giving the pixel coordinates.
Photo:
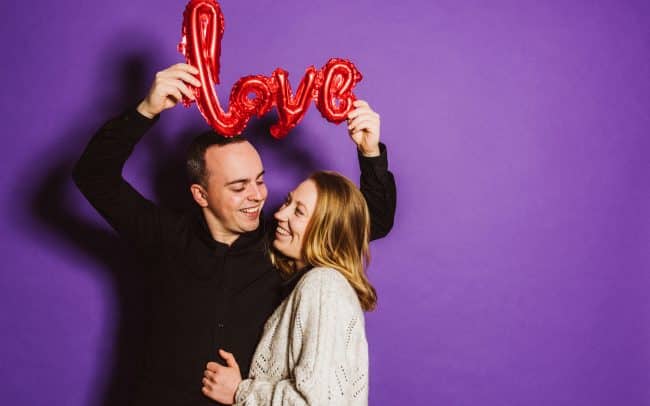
(235, 187)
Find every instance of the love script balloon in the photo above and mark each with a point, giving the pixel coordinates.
(329, 87)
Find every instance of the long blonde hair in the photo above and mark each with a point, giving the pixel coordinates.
(337, 235)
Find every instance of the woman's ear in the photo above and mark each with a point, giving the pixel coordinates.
(199, 194)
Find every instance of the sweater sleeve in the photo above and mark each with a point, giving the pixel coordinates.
(98, 175)
(378, 187)
(328, 348)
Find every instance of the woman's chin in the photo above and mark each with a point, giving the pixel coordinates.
(279, 246)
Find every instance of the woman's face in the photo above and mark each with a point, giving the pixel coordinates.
(293, 217)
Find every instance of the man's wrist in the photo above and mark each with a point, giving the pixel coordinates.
(373, 162)
(370, 153)
(144, 111)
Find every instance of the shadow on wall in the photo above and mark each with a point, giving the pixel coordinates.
(126, 78)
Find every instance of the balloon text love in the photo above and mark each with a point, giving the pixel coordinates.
(330, 87)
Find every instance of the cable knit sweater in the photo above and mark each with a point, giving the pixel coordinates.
(314, 349)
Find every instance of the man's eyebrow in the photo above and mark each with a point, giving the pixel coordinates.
(244, 180)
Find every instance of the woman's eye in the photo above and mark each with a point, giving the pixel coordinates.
(299, 212)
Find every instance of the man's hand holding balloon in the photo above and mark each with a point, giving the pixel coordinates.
(169, 87)
(363, 128)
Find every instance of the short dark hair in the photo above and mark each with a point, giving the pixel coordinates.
(195, 164)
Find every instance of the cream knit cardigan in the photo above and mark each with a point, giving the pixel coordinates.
(313, 350)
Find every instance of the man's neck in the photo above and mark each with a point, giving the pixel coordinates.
(223, 237)
(217, 231)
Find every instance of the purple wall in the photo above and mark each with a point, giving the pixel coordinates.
(518, 269)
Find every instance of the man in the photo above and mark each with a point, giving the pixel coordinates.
(212, 281)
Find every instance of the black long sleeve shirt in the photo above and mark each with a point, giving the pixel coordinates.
(206, 295)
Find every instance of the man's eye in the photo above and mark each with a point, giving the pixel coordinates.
(239, 189)
(260, 182)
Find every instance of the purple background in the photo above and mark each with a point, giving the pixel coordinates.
(517, 272)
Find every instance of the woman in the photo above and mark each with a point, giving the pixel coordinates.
(314, 348)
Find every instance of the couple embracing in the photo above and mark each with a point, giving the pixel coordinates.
(246, 310)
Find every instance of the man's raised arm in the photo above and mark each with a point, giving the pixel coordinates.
(98, 173)
(377, 182)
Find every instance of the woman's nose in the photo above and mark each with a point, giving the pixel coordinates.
(280, 215)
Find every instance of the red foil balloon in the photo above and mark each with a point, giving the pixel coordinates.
(259, 87)
(203, 26)
(330, 87)
(292, 108)
(336, 97)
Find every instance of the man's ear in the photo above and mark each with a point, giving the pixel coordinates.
(199, 195)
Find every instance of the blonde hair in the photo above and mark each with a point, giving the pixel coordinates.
(337, 235)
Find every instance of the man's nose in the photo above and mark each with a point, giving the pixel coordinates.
(256, 193)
